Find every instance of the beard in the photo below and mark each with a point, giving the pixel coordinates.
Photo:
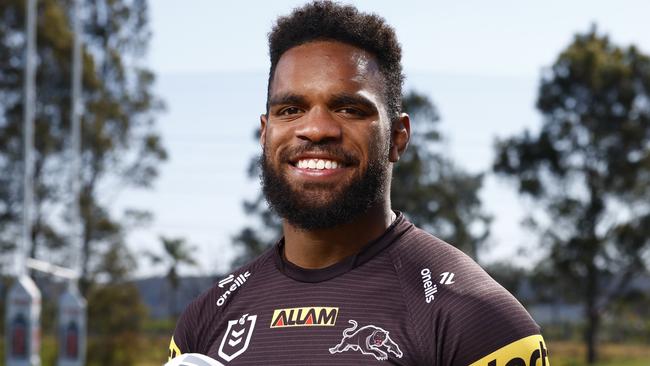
(320, 206)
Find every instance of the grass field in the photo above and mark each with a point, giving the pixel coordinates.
(573, 354)
(562, 353)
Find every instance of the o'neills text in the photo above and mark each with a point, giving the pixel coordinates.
(237, 283)
(429, 288)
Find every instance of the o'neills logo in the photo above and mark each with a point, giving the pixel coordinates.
(237, 282)
(429, 288)
(304, 317)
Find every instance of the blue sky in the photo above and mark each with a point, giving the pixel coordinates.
(479, 61)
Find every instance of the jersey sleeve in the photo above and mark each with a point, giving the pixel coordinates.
(196, 327)
(490, 330)
(525, 351)
(182, 340)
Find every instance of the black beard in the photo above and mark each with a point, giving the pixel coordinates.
(342, 207)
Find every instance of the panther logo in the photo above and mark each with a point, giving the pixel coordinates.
(369, 340)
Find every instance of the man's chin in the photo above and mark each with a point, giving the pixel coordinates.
(316, 199)
(324, 204)
(319, 217)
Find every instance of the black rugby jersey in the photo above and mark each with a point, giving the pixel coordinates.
(407, 298)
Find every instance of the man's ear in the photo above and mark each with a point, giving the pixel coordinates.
(263, 120)
(400, 135)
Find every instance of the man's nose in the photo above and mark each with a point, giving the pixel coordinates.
(319, 125)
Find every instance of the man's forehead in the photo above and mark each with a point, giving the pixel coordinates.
(339, 61)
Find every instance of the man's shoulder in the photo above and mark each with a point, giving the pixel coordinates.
(454, 299)
(224, 289)
(417, 248)
(450, 278)
(201, 314)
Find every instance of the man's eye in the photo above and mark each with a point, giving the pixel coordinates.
(351, 111)
(289, 111)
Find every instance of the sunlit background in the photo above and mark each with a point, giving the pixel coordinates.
(478, 63)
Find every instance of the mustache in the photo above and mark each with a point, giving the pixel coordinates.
(334, 150)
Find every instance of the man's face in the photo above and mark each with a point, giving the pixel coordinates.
(326, 136)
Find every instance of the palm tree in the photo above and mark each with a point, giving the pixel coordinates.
(176, 252)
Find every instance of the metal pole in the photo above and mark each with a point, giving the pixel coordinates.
(33, 311)
(75, 115)
(28, 115)
(24, 300)
(72, 307)
(52, 269)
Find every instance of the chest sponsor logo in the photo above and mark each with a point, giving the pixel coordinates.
(305, 317)
(237, 337)
(369, 340)
(529, 351)
(235, 283)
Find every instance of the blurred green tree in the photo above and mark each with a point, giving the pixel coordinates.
(588, 168)
(176, 252)
(116, 313)
(120, 146)
(509, 275)
(433, 193)
(115, 320)
(431, 190)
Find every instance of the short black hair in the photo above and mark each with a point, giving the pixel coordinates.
(327, 20)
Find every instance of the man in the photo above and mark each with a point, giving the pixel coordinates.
(351, 282)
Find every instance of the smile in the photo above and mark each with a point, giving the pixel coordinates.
(318, 164)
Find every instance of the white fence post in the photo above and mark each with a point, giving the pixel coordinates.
(72, 327)
(22, 323)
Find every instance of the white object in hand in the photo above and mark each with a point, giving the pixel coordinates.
(193, 359)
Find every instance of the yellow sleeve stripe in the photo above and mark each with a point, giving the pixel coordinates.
(529, 351)
(173, 350)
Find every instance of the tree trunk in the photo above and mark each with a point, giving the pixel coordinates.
(86, 212)
(592, 337)
(592, 316)
(172, 304)
(85, 280)
(594, 212)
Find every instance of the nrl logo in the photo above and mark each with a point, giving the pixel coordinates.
(369, 340)
(237, 337)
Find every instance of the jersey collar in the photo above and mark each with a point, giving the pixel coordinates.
(394, 231)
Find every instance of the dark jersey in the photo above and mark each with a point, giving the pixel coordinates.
(407, 298)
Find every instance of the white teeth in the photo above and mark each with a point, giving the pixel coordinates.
(317, 164)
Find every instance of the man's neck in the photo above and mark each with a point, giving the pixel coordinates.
(314, 249)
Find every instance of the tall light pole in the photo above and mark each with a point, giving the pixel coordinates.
(75, 123)
(28, 130)
(72, 306)
(24, 299)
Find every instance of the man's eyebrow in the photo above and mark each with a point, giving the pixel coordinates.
(287, 98)
(351, 99)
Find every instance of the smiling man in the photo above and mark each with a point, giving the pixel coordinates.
(351, 282)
